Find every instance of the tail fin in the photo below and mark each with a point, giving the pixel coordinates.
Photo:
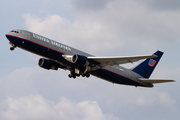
(146, 68)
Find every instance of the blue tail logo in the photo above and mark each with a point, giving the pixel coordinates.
(152, 62)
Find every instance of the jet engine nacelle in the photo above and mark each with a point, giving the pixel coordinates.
(80, 60)
(77, 59)
(47, 64)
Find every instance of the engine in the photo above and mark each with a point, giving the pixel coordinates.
(79, 60)
(47, 64)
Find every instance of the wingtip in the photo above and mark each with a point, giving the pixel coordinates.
(154, 55)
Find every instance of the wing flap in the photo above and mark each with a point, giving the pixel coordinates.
(155, 80)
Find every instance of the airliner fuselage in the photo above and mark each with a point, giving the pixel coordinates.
(57, 55)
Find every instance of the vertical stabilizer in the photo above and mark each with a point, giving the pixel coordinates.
(146, 68)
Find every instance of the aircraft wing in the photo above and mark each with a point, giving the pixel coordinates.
(155, 80)
(104, 61)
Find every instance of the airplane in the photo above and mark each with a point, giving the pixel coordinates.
(57, 55)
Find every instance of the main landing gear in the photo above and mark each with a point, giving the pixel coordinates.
(74, 73)
(77, 75)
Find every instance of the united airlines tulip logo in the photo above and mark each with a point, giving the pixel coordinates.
(151, 62)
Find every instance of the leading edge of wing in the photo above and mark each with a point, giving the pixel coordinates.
(120, 59)
(155, 80)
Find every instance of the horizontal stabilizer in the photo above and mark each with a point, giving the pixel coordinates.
(155, 80)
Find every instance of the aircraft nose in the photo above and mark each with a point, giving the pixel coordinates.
(7, 36)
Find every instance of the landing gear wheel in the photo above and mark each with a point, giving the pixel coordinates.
(11, 48)
(70, 75)
(74, 76)
(87, 75)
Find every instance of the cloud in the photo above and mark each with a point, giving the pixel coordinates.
(78, 34)
(122, 26)
(135, 98)
(35, 107)
(35, 80)
(17, 82)
(92, 5)
(164, 4)
(107, 28)
(150, 97)
(115, 28)
(37, 91)
(96, 5)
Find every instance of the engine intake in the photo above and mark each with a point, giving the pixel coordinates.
(80, 60)
(47, 64)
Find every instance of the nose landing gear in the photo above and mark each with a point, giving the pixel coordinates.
(13, 46)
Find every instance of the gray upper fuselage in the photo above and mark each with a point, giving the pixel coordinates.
(67, 50)
(48, 42)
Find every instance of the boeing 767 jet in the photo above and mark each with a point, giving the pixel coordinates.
(57, 55)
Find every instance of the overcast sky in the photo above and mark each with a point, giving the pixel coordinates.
(101, 28)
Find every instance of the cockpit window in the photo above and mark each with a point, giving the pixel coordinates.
(14, 31)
